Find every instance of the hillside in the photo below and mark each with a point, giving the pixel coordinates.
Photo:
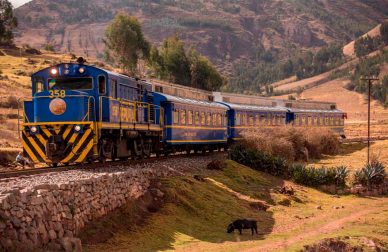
(226, 31)
(193, 215)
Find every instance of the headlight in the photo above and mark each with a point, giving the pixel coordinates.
(81, 70)
(34, 129)
(54, 71)
(77, 128)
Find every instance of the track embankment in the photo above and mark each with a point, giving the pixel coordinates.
(48, 210)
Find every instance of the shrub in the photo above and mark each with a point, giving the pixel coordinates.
(314, 177)
(49, 47)
(341, 174)
(371, 174)
(216, 165)
(246, 154)
(293, 144)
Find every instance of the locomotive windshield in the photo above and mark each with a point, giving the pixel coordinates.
(70, 84)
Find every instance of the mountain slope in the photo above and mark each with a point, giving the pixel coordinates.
(226, 31)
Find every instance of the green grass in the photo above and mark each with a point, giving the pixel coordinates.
(194, 216)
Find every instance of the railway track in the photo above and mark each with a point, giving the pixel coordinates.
(91, 166)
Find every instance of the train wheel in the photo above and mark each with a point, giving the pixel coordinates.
(147, 147)
(137, 149)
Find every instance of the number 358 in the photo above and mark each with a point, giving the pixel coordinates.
(57, 93)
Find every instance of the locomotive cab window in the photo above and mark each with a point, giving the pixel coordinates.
(70, 83)
(39, 85)
(101, 84)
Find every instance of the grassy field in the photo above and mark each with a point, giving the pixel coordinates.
(195, 214)
(354, 155)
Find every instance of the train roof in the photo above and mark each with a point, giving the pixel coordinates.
(87, 66)
(332, 111)
(175, 99)
(254, 108)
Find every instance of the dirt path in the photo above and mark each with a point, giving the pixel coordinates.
(329, 227)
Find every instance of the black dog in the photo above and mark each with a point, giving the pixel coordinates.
(242, 224)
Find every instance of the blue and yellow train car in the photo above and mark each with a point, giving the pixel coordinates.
(247, 117)
(333, 119)
(79, 113)
(192, 124)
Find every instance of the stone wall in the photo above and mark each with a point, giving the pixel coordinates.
(49, 216)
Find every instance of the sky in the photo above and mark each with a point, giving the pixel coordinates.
(17, 3)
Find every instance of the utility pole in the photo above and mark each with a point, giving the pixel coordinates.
(370, 80)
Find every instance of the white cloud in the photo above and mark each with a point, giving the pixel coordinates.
(17, 3)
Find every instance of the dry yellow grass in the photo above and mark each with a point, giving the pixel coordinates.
(354, 155)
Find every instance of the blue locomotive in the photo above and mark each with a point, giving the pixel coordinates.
(80, 113)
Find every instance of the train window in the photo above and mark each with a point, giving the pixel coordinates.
(309, 120)
(251, 120)
(238, 119)
(225, 120)
(190, 117)
(196, 118)
(262, 119)
(303, 119)
(39, 85)
(244, 119)
(208, 119)
(183, 117)
(203, 119)
(101, 84)
(219, 119)
(214, 119)
(84, 83)
(176, 116)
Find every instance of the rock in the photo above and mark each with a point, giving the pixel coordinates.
(218, 165)
(52, 234)
(67, 244)
(319, 207)
(54, 246)
(199, 178)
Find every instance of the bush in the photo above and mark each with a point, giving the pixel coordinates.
(216, 165)
(294, 144)
(244, 153)
(311, 176)
(371, 174)
(341, 174)
(49, 47)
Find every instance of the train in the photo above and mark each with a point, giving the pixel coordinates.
(82, 113)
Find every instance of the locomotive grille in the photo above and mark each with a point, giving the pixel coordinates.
(150, 100)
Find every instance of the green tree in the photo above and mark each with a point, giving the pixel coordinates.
(125, 43)
(176, 65)
(7, 22)
(173, 63)
(203, 74)
(384, 32)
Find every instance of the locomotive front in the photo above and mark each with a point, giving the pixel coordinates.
(60, 119)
